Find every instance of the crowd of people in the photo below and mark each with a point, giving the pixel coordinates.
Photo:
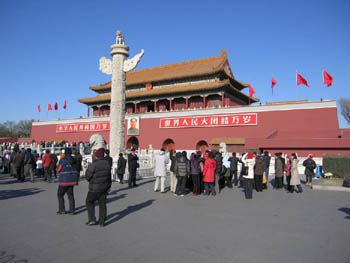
(203, 173)
(209, 173)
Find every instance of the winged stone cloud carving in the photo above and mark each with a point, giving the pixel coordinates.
(106, 65)
(132, 63)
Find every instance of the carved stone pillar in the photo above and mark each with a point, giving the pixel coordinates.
(117, 67)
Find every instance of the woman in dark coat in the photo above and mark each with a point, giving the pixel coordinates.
(259, 170)
(99, 176)
(121, 168)
(196, 173)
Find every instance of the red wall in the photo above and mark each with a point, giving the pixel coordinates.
(297, 124)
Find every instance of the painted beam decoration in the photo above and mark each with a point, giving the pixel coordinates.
(81, 127)
(210, 121)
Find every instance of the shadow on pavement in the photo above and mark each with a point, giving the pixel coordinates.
(111, 218)
(346, 211)
(81, 209)
(138, 184)
(8, 194)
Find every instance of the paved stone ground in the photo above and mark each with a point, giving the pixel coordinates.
(144, 226)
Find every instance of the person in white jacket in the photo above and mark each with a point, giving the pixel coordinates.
(249, 161)
(160, 170)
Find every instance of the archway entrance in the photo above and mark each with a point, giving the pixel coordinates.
(202, 146)
(132, 142)
(168, 145)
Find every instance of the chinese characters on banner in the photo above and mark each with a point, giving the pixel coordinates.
(79, 127)
(210, 121)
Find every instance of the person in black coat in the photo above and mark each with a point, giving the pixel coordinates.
(132, 165)
(267, 160)
(99, 176)
(78, 160)
(233, 167)
(121, 168)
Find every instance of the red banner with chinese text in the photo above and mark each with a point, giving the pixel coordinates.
(210, 121)
(81, 127)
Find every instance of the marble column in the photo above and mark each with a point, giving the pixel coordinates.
(118, 68)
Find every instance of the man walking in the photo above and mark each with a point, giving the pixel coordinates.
(267, 160)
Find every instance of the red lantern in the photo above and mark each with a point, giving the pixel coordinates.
(148, 86)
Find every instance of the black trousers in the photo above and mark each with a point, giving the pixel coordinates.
(288, 182)
(233, 174)
(121, 177)
(209, 188)
(132, 178)
(258, 182)
(279, 182)
(20, 174)
(309, 178)
(196, 179)
(299, 189)
(228, 181)
(69, 189)
(90, 204)
(248, 188)
(180, 185)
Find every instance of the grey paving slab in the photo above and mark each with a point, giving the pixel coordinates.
(144, 226)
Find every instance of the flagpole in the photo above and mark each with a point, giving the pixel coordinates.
(272, 88)
(296, 81)
(322, 93)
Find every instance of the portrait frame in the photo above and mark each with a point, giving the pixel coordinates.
(133, 127)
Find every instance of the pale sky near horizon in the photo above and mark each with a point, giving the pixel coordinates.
(50, 49)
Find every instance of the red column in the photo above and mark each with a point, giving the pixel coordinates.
(99, 111)
(171, 104)
(135, 107)
(155, 106)
(223, 100)
(204, 97)
(88, 111)
(186, 103)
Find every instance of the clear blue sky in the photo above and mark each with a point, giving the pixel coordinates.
(50, 50)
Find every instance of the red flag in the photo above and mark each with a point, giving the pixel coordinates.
(327, 79)
(39, 110)
(301, 80)
(251, 91)
(273, 82)
(56, 106)
(65, 104)
(49, 107)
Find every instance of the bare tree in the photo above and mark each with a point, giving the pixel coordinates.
(23, 128)
(345, 108)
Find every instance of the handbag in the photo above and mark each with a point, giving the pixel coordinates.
(264, 179)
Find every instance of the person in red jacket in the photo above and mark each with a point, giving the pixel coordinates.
(47, 159)
(209, 174)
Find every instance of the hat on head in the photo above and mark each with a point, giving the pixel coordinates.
(250, 155)
(100, 152)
